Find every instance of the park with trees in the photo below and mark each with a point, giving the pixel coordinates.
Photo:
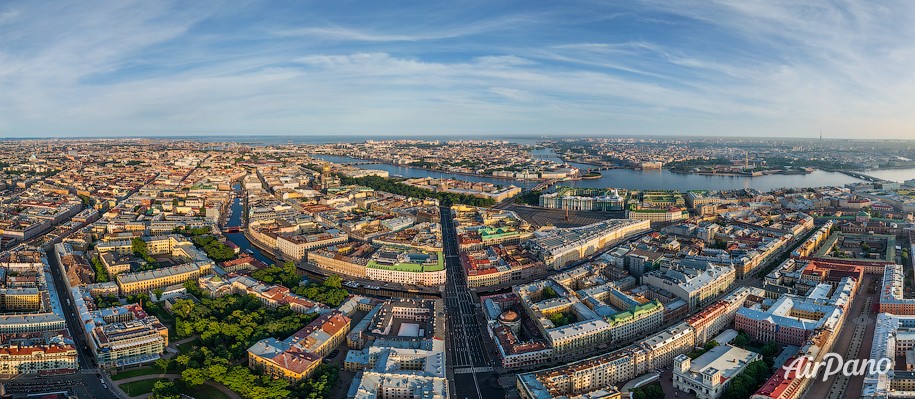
(396, 187)
(222, 330)
(330, 292)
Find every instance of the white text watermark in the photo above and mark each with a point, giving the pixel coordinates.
(833, 364)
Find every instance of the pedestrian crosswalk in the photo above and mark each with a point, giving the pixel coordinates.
(469, 370)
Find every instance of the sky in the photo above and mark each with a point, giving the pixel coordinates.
(743, 68)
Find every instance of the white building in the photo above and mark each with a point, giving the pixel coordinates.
(697, 283)
(708, 375)
(560, 246)
(894, 339)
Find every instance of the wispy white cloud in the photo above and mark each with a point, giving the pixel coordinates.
(449, 26)
(351, 34)
(692, 67)
(513, 94)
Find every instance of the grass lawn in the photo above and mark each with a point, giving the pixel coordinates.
(205, 392)
(150, 370)
(187, 346)
(141, 387)
(167, 319)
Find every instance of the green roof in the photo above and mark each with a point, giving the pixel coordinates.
(411, 267)
(651, 210)
(488, 232)
(632, 312)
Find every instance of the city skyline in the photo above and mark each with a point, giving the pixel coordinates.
(760, 69)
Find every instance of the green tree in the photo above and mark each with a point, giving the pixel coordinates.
(183, 308)
(140, 249)
(319, 385)
(106, 301)
(213, 247)
(192, 376)
(163, 364)
(741, 340)
(101, 274)
(396, 187)
(561, 318)
(548, 293)
(748, 381)
(217, 371)
(695, 353)
(530, 197)
(329, 293)
(771, 348)
(651, 391)
(165, 390)
(228, 326)
(333, 281)
(182, 360)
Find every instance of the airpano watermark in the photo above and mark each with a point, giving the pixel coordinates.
(833, 364)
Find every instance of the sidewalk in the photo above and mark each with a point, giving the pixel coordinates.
(211, 384)
(172, 348)
(117, 384)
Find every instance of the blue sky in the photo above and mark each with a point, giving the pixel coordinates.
(747, 68)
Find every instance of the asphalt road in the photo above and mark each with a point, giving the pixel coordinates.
(86, 383)
(859, 318)
(470, 368)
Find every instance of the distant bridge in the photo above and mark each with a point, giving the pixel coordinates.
(862, 176)
(544, 185)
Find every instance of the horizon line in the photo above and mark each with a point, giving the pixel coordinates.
(445, 136)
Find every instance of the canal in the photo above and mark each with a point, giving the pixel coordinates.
(236, 211)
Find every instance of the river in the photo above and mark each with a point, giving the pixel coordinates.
(406, 171)
(896, 175)
(634, 179)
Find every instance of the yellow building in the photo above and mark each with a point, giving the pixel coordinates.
(20, 299)
(141, 282)
(281, 362)
(338, 263)
(34, 359)
(296, 357)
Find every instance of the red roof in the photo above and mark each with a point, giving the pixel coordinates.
(776, 385)
(295, 360)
